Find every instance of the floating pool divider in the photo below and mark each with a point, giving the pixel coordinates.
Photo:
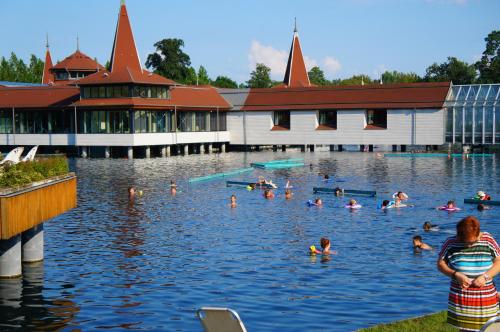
(220, 175)
(280, 161)
(478, 201)
(350, 192)
(431, 155)
(278, 166)
(245, 184)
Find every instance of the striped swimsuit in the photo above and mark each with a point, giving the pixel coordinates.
(469, 309)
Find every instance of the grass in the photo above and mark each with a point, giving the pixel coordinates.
(429, 323)
(26, 172)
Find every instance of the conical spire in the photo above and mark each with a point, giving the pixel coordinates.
(124, 53)
(296, 72)
(47, 77)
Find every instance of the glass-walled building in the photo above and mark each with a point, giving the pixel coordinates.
(473, 114)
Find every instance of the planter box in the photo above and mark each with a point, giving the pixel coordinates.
(25, 207)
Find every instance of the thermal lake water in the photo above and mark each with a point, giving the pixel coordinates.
(151, 265)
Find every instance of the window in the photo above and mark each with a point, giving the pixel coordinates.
(94, 92)
(281, 120)
(86, 92)
(376, 119)
(327, 120)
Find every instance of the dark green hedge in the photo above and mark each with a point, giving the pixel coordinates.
(27, 172)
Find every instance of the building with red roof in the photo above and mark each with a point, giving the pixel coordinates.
(121, 109)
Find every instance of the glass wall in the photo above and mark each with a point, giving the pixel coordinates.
(474, 112)
(44, 121)
(153, 121)
(125, 91)
(6, 121)
(103, 122)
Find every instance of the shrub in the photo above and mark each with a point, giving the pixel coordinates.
(27, 172)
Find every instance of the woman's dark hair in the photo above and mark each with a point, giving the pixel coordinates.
(468, 229)
(327, 176)
(480, 207)
(427, 226)
(417, 237)
(324, 242)
(385, 202)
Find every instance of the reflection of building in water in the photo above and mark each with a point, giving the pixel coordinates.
(23, 307)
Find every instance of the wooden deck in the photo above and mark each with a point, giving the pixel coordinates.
(23, 208)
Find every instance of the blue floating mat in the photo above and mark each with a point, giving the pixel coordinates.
(278, 166)
(478, 201)
(432, 155)
(245, 184)
(220, 175)
(350, 192)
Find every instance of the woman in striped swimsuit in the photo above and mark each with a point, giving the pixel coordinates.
(471, 259)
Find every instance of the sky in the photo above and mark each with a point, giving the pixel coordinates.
(228, 37)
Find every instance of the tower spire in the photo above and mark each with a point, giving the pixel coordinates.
(47, 41)
(296, 73)
(77, 42)
(47, 77)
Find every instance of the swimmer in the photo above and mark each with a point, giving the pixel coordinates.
(482, 196)
(353, 204)
(385, 204)
(338, 191)
(482, 207)
(173, 188)
(318, 201)
(326, 177)
(325, 245)
(268, 194)
(401, 195)
(429, 227)
(131, 193)
(398, 204)
(251, 186)
(288, 194)
(419, 244)
(450, 206)
(233, 201)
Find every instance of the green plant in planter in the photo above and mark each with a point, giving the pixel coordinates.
(26, 172)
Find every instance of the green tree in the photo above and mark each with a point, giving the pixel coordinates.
(389, 77)
(203, 78)
(191, 77)
(224, 82)
(454, 70)
(260, 77)
(357, 80)
(489, 65)
(16, 70)
(35, 69)
(169, 60)
(317, 76)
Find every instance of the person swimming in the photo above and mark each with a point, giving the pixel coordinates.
(338, 191)
(251, 186)
(131, 193)
(418, 244)
(173, 187)
(482, 207)
(318, 201)
(482, 196)
(288, 194)
(353, 204)
(386, 204)
(450, 206)
(429, 227)
(401, 195)
(268, 194)
(233, 201)
(325, 245)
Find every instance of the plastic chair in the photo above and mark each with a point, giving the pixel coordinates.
(492, 325)
(31, 154)
(220, 320)
(13, 156)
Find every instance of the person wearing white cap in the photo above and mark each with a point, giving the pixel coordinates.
(481, 195)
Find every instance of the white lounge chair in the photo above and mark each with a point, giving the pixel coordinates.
(220, 320)
(493, 325)
(13, 156)
(31, 154)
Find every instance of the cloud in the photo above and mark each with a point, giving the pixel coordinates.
(331, 65)
(277, 59)
(268, 55)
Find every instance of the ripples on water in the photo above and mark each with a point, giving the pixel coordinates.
(149, 266)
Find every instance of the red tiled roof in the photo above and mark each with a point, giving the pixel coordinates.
(182, 97)
(392, 96)
(296, 72)
(78, 61)
(47, 77)
(38, 97)
(126, 75)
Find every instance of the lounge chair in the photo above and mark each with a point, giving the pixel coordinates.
(220, 320)
(13, 156)
(31, 154)
(493, 325)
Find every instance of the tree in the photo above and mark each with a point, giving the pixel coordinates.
(454, 70)
(169, 60)
(224, 82)
(357, 80)
(260, 77)
(15, 70)
(317, 76)
(191, 77)
(489, 65)
(203, 78)
(399, 77)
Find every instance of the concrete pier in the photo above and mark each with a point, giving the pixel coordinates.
(130, 152)
(283, 148)
(186, 150)
(202, 149)
(84, 152)
(32, 244)
(332, 147)
(340, 148)
(10, 257)
(163, 151)
(275, 148)
(168, 150)
(223, 148)
(147, 151)
(210, 148)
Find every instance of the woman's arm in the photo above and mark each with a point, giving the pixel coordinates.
(461, 278)
(481, 280)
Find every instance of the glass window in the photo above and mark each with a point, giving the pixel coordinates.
(94, 92)
(222, 121)
(102, 92)
(327, 119)
(86, 92)
(376, 119)
(449, 124)
(281, 119)
(117, 91)
(154, 92)
(478, 126)
(109, 92)
(125, 91)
